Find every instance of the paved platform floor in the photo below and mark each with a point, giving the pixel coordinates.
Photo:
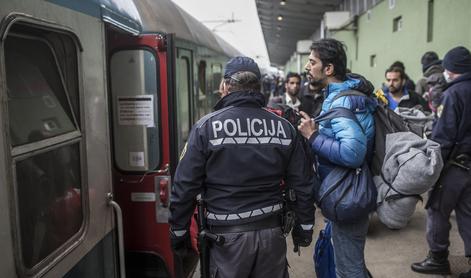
(389, 253)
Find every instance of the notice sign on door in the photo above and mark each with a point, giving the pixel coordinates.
(136, 110)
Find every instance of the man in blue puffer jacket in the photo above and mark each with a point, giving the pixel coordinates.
(341, 141)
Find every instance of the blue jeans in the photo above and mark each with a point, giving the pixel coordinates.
(349, 246)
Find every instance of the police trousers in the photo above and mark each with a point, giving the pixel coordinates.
(455, 195)
(251, 254)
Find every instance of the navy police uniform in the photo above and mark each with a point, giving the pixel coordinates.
(453, 131)
(236, 157)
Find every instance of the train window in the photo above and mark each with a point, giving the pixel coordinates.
(35, 85)
(134, 91)
(45, 139)
(49, 202)
(183, 97)
(202, 77)
(202, 99)
(217, 77)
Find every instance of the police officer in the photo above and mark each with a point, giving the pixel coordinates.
(237, 157)
(453, 191)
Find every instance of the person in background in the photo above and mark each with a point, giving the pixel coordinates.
(291, 96)
(312, 98)
(397, 94)
(452, 130)
(431, 66)
(408, 82)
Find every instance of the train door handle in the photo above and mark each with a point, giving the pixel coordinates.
(165, 170)
(119, 224)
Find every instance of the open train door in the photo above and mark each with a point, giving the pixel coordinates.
(141, 71)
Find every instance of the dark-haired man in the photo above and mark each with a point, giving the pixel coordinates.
(291, 96)
(432, 69)
(236, 157)
(341, 141)
(397, 94)
(408, 82)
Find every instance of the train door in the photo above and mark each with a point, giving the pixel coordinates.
(142, 153)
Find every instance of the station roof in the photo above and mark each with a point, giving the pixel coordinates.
(300, 19)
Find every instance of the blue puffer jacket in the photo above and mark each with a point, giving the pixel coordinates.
(342, 141)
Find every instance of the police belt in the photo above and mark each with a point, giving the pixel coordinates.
(268, 222)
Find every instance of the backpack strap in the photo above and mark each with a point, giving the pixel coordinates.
(335, 113)
(349, 93)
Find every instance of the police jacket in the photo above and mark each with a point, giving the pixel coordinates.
(453, 125)
(237, 157)
(342, 141)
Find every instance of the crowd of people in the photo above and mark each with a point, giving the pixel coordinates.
(242, 157)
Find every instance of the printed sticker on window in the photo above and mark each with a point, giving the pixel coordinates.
(136, 110)
(136, 159)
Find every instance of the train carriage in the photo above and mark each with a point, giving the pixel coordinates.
(98, 98)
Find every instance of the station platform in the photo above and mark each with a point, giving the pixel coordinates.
(389, 253)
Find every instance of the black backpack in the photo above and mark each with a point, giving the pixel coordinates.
(386, 121)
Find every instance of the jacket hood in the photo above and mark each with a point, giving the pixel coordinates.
(241, 98)
(433, 69)
(363, 84)
(353, 82)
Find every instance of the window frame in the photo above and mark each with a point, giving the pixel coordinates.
(22, 152)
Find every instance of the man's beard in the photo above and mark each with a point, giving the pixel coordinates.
(394, 90)
(316, 83)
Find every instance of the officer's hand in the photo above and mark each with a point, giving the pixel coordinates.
(180, 242)
(300, 236)
(307, 126)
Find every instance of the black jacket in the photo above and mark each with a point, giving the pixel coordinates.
(237, 157)
(453, 125)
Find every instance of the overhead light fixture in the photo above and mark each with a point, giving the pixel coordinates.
(280, 17)
(277, 35)
(282, 2)
(278, 28)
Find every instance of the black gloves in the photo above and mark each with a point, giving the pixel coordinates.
(300, 236)
(180, 242)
